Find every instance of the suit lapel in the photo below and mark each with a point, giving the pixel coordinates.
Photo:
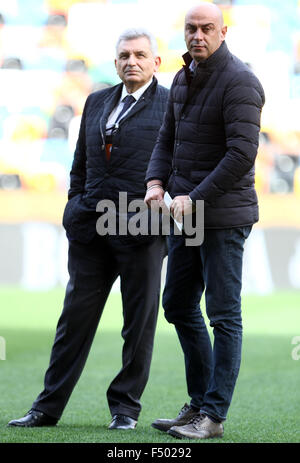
(108, 105)
(112, 100)
(137, 107)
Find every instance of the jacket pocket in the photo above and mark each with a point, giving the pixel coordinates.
(68, 215)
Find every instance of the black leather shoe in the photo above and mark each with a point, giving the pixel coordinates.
(34, 419)
(122, 422)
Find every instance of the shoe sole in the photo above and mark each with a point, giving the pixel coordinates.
(29, 426)
(176, 434)
(181, 436)
(160, 428)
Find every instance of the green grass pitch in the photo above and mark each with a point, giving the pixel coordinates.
(266, 402)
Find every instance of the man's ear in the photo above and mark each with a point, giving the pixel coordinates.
(116, 65)
(157, 63)
(224, 32)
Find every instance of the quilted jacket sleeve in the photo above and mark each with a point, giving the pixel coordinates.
(160, 163)
(78, 170)
(242, 104)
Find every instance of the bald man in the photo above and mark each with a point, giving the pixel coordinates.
(206, 152)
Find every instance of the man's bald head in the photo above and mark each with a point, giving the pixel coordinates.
(208, 9)
(204, 30)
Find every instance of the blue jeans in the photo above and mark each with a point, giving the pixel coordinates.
(216, 268)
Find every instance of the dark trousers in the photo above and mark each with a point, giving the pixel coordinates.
(93, 268)
(216, 268)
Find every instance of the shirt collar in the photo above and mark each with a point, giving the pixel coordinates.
(193, 66)
(212, 61)
(138, 93)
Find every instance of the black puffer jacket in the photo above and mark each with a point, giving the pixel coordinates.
(93, 177)
(208, 143)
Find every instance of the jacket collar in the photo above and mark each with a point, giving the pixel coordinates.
(142, 101)
(212, 61)
(113, 98)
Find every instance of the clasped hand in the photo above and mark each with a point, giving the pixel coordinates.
(181, 205)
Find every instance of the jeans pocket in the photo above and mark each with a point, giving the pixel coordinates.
(246, 231)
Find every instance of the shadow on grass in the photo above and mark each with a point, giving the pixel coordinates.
(265, 406)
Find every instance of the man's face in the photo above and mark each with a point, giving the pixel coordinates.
(204, 32)
(135, 63)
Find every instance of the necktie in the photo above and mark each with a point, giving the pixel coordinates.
(128, 101)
